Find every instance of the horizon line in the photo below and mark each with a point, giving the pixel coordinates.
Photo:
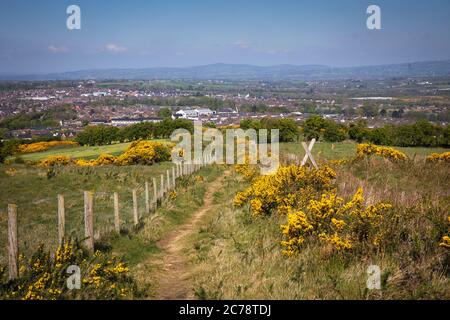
(223, 63)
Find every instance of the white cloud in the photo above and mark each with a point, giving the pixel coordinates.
(56, 49)
(241, 44)
(111, 47)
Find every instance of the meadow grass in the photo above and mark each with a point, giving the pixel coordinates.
(234, 255)
(35, 194)
(347, 149)
(237, 256)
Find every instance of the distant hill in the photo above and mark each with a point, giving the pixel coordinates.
(250, 72)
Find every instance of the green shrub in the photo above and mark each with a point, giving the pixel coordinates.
(44, 276)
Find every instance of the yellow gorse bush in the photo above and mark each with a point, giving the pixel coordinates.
(55, 161)
(367, 150)
(288, 187)
(43, 276)
(43, 146)
(139, 152)
(102, 160)
(439, 157)
(246, 169)
(330, 220)
(446, 239)
(144, 153)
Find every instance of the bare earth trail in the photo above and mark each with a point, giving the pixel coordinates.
(174, 278)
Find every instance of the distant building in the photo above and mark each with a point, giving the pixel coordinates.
(98, 122)
(119, 122)
(193, 114)
(100, 94)
(227, 110)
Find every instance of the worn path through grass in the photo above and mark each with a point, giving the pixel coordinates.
(175, 279)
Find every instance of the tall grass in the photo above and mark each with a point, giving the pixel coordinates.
(239, 257)
(35, 193)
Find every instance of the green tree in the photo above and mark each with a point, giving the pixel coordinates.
(370, 110)
(165, 113)
(334, 132)
(313, 127)
(358, 131)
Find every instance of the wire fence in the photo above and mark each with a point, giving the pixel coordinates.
(85, 215)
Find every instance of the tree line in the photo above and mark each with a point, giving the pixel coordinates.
(420, 134)
(105, 135)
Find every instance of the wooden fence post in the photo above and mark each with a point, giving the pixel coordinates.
(147, 198)
(61, 219)
(116, 212)
(13, 248)
(174, 182)
(168, 181)
(89, 220)
(155, 194)
(161, 192)
(135, 208)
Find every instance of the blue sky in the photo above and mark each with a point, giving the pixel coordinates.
(138, 33)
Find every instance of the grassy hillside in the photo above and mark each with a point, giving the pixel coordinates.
(322, 150)
(35, 194)
(330, 151)
(233, 255)
(238, 256)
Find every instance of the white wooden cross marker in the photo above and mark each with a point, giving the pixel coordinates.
(308, 153)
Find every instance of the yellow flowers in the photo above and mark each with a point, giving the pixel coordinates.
(330, 220)
(173, 195)
(119, 269)
(139, 152)
(43, 146)
(297, 227)
(436, 157)
(144, 153)
(337, 242)
(102, 160)
(44, 276)
(287, 188)
(64, 254)
(367, 150)
(11, 172)
(199, 179)
(55, 161)
(446, 239)
(445, 242)
(246, 169)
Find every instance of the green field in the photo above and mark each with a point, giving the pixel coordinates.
(322, 150)
(331, 151)
(35, 194)
(85, 152)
